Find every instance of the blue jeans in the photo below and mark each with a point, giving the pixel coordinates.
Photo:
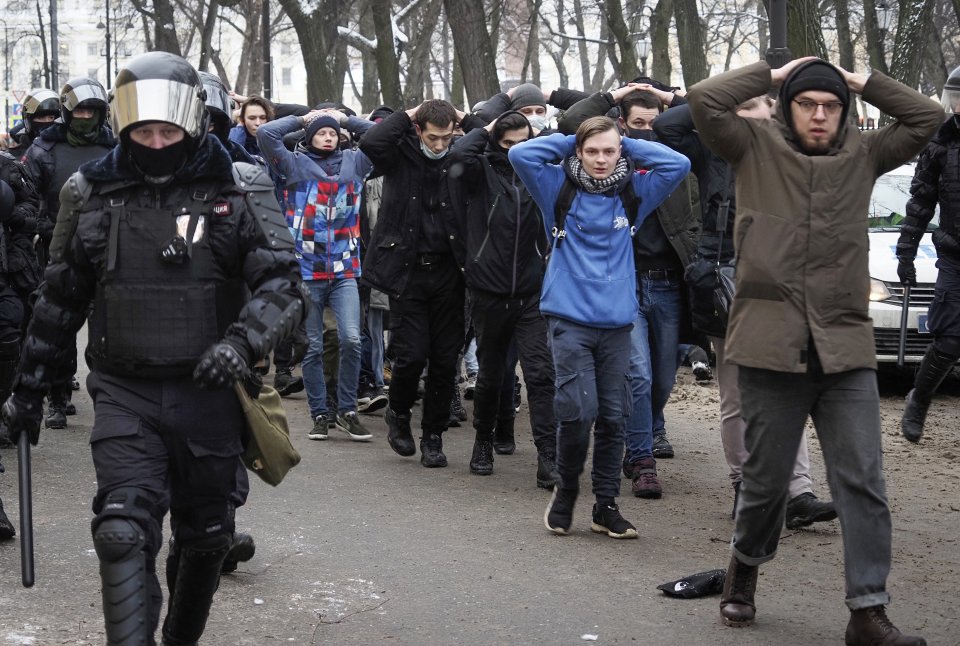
(592, 391)
(653, 362)
(342, 296)
(375, 330)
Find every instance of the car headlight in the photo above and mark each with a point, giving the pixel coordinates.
(878, 291)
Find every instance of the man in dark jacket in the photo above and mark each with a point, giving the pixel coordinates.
(505, 249)
(79, 136)
(416, 257)
(799, 328)
(936, 182)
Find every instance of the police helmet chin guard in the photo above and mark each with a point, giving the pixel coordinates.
(159, 86)
(83, 92)
(38, 102)
(951, 93)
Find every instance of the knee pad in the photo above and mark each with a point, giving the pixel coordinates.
(196, 525)
(947, 346)
(132, 505)
(118, 539)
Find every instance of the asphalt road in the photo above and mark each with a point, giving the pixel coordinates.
(360, 546)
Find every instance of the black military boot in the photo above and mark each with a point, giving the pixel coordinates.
(737, 607)
(399, 434)
(481, 462)
(870, 627)
(242, 549)
(547, 475)
(431, 451)
(807, 509)
(56, 411)
(457, 412)
(197, 577)
(120, 545)
(285, 383)
(933, 369)
(503, 441)
(6, 527)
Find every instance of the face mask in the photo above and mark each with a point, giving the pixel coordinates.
(538, 122)
(159, 162)
(430, 154)
(40, 127)
(645, 135)
(84, 127)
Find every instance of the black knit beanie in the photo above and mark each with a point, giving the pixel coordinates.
(817, 75)
(322, 121)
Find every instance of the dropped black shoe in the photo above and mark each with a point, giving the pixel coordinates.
(431, 451)
(662, 447)
(547, 475)
(558, 516)
(805, 510)
(242, 550)
(6, 527)
(56, 416)
(286, 384)
(607, 520)
(481, 463)
(399, 435)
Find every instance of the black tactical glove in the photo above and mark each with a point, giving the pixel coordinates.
(220, 367)
(907, 272)
(22, 415)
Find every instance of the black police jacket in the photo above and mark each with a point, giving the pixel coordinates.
(18, 259)
(394, 148)
(936, 181)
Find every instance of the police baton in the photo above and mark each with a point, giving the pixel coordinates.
(904, 314)
(26, 511)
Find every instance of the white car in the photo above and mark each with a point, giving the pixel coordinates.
(887, 209)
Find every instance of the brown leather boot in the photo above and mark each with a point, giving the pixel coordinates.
(739, 585)
(870, 627)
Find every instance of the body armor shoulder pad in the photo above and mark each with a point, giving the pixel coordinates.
(258, 193)
(74, 194)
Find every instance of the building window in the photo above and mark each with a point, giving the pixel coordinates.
(286, 76)
(92, 49)
(285, 48)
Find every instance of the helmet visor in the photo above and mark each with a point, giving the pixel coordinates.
(157, 100)
(217, 98)
(951, 101)
(41, 101)
(74, 96)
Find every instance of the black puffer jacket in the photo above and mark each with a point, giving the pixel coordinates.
(936, 181)
(18, 260)
(505, 235)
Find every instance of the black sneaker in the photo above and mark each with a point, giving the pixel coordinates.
(6, 527)
(662, 447)
(56, 416)
(481, 463)
(607, 520)
(321, 426)
(469, 386)
(286, 384)
(431, 451)
(805, 510)
(350, 424)
(547, 475)
(558, 516)
(371, 400)
(242, 550)
(399, 435)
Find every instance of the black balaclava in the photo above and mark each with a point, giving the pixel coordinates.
(645, 135)
(158, 165)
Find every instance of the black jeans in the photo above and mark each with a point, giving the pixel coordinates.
(426, 323)
(497, 321)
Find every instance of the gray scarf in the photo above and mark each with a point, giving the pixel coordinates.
(591, 185)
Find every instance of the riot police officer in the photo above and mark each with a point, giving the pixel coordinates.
(56, 154)
(191, 272)
(40, 108)
(935, 181)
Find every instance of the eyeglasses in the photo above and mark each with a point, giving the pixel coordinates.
(830, 108)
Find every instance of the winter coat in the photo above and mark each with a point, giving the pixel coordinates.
(590, 278)
(409, 179)
(505, 234)
(321, 201)
(18, 259)
(801, 234)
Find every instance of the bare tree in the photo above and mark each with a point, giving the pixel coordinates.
(912, 25)
(662, 67)
(693, 54)
(316, 27)
(475, 53)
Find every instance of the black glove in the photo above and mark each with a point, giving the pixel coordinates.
(220, 367)
(23, 415)
(907, 272)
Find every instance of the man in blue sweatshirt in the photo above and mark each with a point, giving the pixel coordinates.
(589, 295)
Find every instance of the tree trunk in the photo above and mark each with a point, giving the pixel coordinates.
(626, 67)
(418, 58)
(317, 33)
(804, 29)
(844, 40)
(164, 30)
(370, 92)
(582, 47)
(456, 81)
(935, 71)
(531, 56)
(388, 65)
(661, 67)
(875, 40)
(763, 32)
(474, 51)
(693, 49)
(596, 83)
(47, 81)
(956, 9)
(912, 24)
(206, 36)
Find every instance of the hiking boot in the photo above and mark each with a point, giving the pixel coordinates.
(805, 510)
(56, 416)
(457, 412)
(547, 475)
(399, 435)
(737, 608)
(481, 462)
(371, 400)
(661, 446)
(6, 527)
(558, 516)
(932, 371)
(349, 423)
(321, 426)
(431, 451)
(503, 441)
(701, 371)
(286, 384)
(607, 520)
(645, 481)
(870, 627)
(469, 386)
(241, 550)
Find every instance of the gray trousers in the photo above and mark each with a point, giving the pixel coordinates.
(845, 408)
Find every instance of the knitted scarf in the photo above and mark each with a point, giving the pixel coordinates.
(592, 185)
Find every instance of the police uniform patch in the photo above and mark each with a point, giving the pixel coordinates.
(222, 208)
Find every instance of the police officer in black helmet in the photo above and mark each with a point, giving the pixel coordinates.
(41, 107)
(164, 236)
